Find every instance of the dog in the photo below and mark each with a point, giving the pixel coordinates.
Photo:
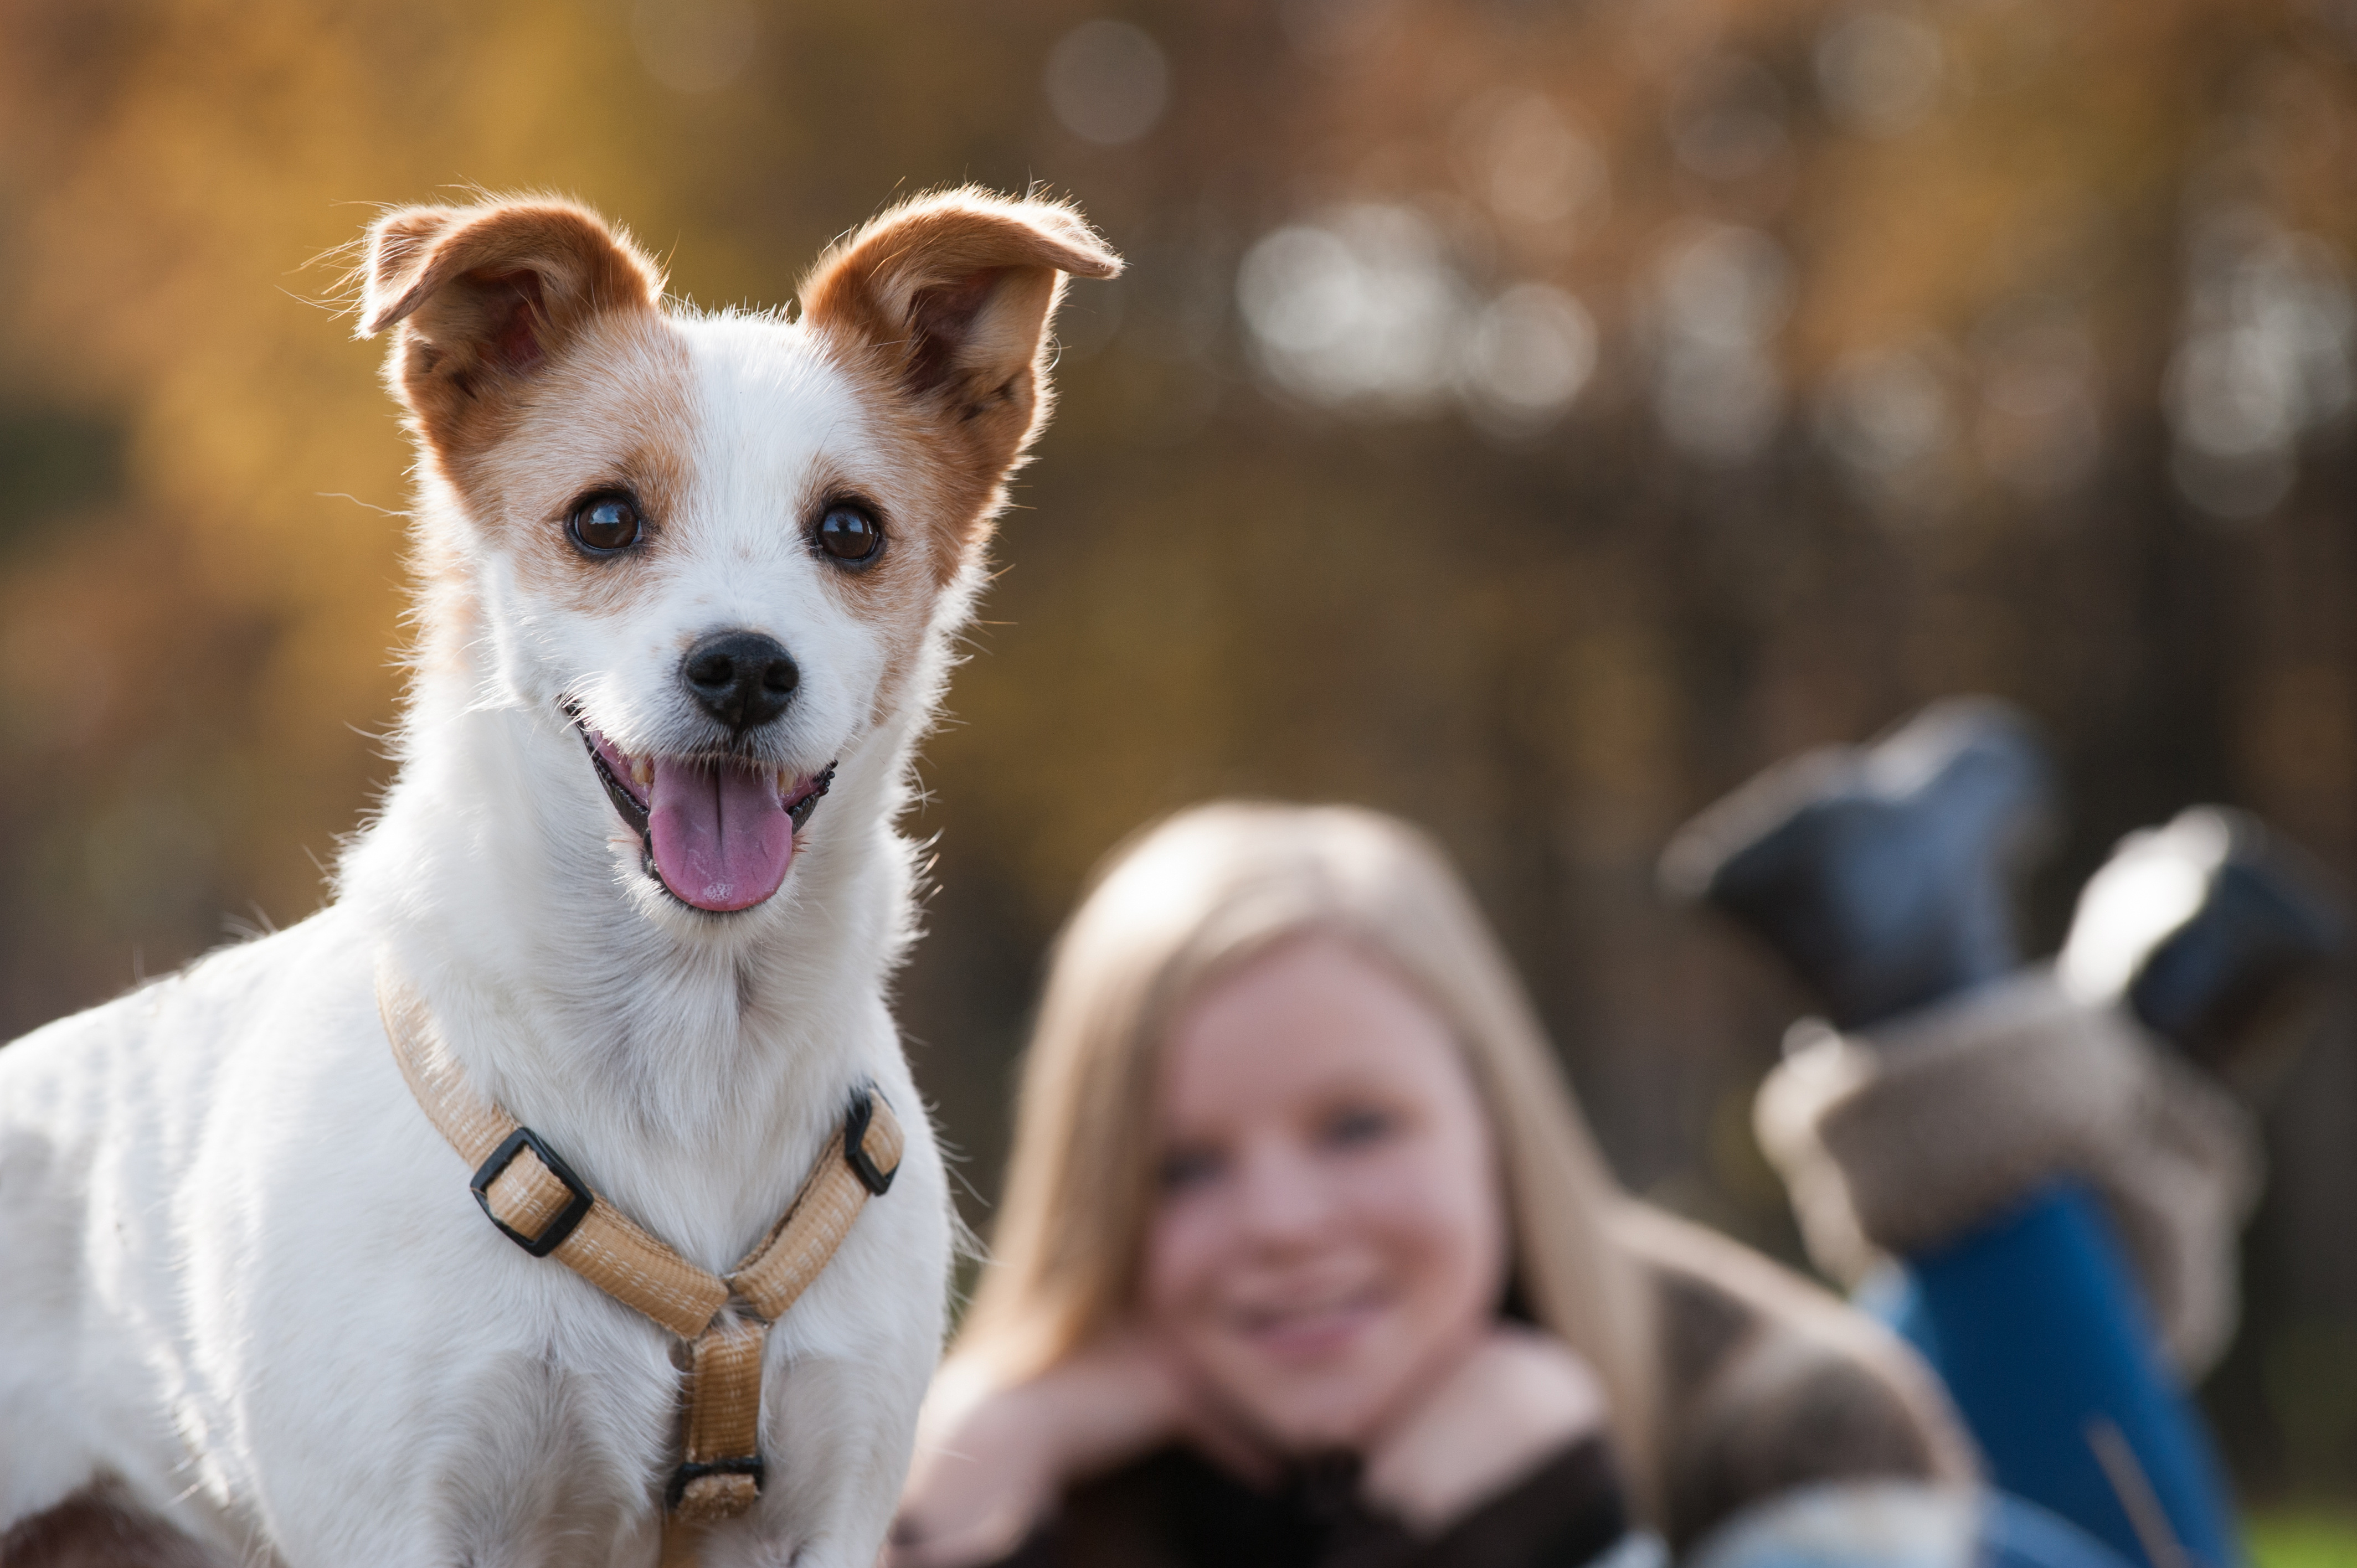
(687, 590)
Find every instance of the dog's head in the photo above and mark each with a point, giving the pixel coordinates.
(721, 547)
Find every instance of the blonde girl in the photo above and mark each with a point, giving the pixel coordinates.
(1302, 1230)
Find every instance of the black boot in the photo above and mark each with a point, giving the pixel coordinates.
(1883, 875)
(2219, 936)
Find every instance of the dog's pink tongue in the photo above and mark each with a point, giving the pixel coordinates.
(721, 836)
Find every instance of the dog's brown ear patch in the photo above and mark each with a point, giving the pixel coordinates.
(485, 296)
(951, 294)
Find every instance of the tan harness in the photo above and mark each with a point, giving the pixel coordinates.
(544, 1209)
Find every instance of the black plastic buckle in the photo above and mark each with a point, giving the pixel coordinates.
(690, 1472)
(854, 1142)
(552, 1235)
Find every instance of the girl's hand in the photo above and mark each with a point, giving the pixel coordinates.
(1518, 1396)
(990, 1461)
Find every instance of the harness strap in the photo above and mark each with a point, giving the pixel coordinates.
(539, 1204)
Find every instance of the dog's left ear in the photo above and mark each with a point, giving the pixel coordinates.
(950, 296)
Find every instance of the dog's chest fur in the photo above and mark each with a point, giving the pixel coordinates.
(242, 1284)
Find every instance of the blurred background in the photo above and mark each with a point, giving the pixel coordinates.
(1531, 418)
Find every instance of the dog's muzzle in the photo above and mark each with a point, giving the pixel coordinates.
(717, 834)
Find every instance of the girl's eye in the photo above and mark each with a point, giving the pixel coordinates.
(1358, 1127)
(605, 524)
(1182, 1169)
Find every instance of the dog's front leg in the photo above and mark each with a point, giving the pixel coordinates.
(838, 1452)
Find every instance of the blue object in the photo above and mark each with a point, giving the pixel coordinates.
(1883, 875)
(2036, 1326)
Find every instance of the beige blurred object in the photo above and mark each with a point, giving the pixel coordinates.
(1901, 1138)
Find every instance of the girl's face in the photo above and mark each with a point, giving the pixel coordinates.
(1329, 1236)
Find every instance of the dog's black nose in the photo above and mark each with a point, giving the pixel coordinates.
(741, 678)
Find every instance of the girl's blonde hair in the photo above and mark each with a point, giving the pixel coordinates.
(1193, 898)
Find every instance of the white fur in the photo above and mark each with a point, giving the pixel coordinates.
(241, 1276)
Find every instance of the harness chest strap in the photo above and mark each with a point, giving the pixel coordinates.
(538, 1203)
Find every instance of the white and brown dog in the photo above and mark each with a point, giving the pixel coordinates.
(688, 588)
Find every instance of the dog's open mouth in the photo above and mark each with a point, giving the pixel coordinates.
(718, 833)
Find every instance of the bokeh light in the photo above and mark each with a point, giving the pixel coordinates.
(1108, 82)
(1720, 294)
(694, 46)
(1879, 71)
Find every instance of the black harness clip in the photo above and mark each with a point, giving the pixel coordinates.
(552, 1234)
(876, 1179)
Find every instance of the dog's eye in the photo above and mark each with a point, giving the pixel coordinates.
(850, 535)
(604, 524)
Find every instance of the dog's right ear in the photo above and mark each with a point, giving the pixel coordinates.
(484, 296)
